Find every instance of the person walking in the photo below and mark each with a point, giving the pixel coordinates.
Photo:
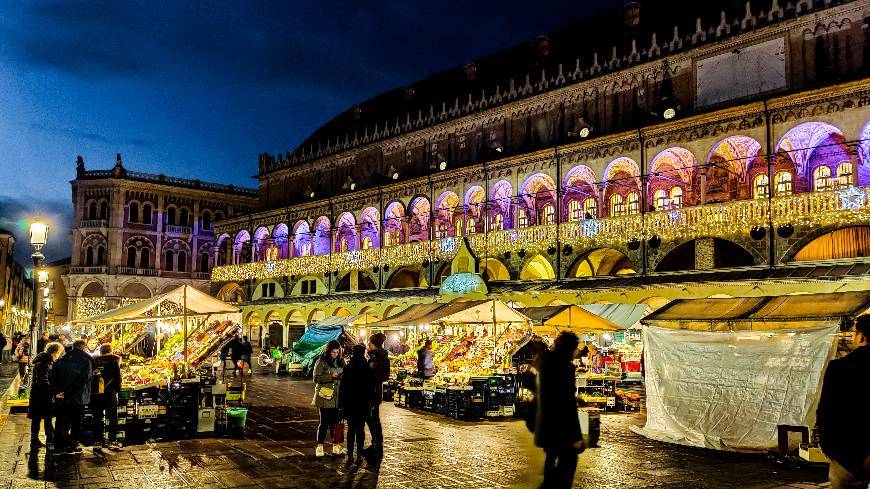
(247, 351)
(236, 354)
(22, 354)
(104, 395)
(327, 381)
(557, 427)
(844, 438)
(425, 362)
(4, 342)
(42, 341)
(379, 362)
(71, 383)
(39, 410)
(355, 399)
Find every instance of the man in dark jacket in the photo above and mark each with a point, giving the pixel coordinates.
(105, 404)
(557, 427)
(71, 382)
(42, 341)
(379, 362)
(845, 437)
(236, 353)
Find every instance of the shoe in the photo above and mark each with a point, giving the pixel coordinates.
(318, 451)
(338, 450)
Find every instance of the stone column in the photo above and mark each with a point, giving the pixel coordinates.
(704, 254)
(194, 247)
(158, 247)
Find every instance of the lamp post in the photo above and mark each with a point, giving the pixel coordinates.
(38, 237)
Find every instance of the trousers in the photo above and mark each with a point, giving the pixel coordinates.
(356, 434)
(375, 428)
(105, 409)
(68, 429)
(34, 428)
(559, 467)
(328, 418)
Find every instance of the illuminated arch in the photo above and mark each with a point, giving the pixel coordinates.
(260, 243)
(394, 224)
(500, 214)
(341, 311)
(799, 146)
(369, 228)
(302, 239)
(737, 153)
(316, 315)
(863, 170)
(345, 233)
(602, 262)
(404, 277)
(579, 184)
(621, 177)
(494, 270)
(419, 219)
(475, 206)
(447, 207)
(538, 192)
(848, 242)
(232, 293)
(672, 164)
(281, 237)
(537, 268)
(321, 239)
(242, 247)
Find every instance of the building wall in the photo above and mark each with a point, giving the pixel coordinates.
(16, 292)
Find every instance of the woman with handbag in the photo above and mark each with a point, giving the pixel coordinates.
(327, 379)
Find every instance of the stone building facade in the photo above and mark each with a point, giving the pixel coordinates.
(136, 234)
(16, 289)
(737, 139)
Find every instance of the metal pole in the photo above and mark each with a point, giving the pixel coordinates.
(184, 326)
(36, 305)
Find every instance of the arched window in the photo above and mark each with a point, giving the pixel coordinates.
(134, 212)
(131, 257)
(574, 210)
(844, 175)
(822, 178)
(101, 256)
(146, 214)
(661, 200)
(523, 218)
(499, 222)
(457, 224)
(170, 216)
(548, 216)
(633, 204)
(92, 210)
(206, 220)
(590, 208)
(182, 261)
(89, 256)
(677, 197)
(104, 210)
(184, 221)
(203, 262)
(470, 226)
(305, 249)
(145, 258)
(169, 261)
(367, 243)
(783, 183)
(760, 187)
(617, 208)
(342, 245)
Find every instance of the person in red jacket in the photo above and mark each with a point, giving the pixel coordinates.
(845, 437)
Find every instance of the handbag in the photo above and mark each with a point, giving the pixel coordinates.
(326, 393)
(338, 433)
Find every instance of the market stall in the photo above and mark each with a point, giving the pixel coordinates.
(725, 373)
(305, 352)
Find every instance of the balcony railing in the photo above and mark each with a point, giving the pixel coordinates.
(173, 229)
(145, 272)
(844, 207)
(200, 275)
(92, 223)
(89, 270)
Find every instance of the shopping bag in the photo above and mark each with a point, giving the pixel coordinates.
(338, 433)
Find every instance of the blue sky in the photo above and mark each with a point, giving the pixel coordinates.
(199, 89)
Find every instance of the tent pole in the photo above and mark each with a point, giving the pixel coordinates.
(184, 319)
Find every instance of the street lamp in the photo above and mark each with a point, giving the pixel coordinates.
(38, 238)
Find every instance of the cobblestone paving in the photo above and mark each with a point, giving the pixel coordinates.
(422, 451)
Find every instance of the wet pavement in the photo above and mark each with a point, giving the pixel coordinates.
(422, 450)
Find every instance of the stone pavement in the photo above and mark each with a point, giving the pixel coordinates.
(422, 450)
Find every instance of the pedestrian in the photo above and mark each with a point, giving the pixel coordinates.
(845, 438)
(595, 359)
(42, 341)
(71, 383)
(39, 409)
(236, 354)
(247, 351)
(425, 362)
(379, 362)
(22, 354)
(357, 385)
(225, 354)
(327, 381)
(104, 395)
(4, 342)
(557, 427)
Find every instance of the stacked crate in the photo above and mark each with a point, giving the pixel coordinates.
(183, 411)
(458, 402)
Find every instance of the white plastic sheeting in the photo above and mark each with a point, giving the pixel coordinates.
(729, 391)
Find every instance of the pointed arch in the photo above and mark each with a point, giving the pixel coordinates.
(394, 224)
(800, 145)
(369, 228)
(539, 194)
(345, 233)
(493, 269)
(501, 210)
(537, 268)
(280, 235)
(322, 239)
(302, 241)
(447, 208)
(420, 210)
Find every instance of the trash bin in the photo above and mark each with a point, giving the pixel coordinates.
(590, 425)
(236, 418)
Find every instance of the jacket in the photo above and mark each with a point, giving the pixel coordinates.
(246, 349)
(556, 423)
(357, 384)
(22, 352)
(323, 378)
(40, 345)
(379, 361)
(72, 377)
(843, 434)
(425, 362)
(110, 371)
(40, 388)
(236, 350)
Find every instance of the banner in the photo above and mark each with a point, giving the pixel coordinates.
(729, 391)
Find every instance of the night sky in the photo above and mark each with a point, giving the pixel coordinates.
(199, 89)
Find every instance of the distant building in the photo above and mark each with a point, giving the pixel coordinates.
(16, 289)
(57, 305)
(136, 234)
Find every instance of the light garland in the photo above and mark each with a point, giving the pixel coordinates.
(815, 209)
(90, 306)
